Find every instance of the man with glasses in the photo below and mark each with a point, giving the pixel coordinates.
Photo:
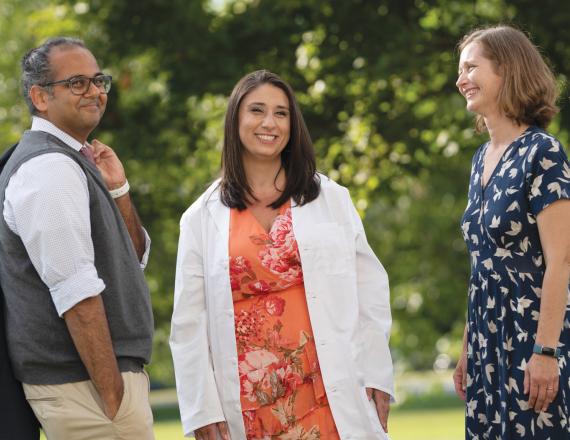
(78, 314)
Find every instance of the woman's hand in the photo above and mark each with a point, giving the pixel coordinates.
(460, 375)
(541, 381)
(209, 432)
(382, 403)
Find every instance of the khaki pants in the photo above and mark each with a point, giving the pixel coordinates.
(74, 411)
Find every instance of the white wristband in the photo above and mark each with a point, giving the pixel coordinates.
(116, 193)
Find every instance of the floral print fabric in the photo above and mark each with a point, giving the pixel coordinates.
(507, 262)
(282, 394)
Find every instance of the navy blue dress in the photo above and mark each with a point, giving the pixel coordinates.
(507, 268)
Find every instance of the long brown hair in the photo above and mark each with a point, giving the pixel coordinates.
(297, 158)
(529, 91)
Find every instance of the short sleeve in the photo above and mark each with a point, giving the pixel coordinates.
(550, 176)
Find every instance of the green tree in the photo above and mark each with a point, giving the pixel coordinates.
(376, 83)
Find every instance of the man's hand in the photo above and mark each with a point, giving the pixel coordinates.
(460, 376)
(108, 164)
(88, 327)
(114, 177)
(209, 432)
(382, 404)
(112, 400)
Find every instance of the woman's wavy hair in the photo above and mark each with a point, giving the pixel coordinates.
(297, 158)
(529, 91)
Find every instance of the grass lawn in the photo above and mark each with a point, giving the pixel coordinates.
(427, 411)
(417, 424)
(439, 424)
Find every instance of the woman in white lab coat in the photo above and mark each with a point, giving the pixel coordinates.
(281, 312)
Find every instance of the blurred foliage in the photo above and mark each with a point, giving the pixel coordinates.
(376, 83)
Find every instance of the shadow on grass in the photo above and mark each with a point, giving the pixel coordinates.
(166, 413)
(434, 399)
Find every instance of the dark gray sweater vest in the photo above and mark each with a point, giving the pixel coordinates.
(39, 343)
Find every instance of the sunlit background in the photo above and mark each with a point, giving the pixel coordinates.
(375, 80)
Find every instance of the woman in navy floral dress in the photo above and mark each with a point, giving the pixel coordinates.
(514, 373)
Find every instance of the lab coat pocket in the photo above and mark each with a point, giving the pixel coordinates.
(328, 248)
(373, 416)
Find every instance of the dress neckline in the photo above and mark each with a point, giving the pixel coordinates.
(280, 211)
(501, 161)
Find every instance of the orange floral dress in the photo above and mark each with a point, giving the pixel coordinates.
(282, 392)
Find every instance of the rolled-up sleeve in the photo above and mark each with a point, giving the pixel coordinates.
(144, 259)
(47, 205)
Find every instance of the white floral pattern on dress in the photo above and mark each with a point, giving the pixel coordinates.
(500, 229)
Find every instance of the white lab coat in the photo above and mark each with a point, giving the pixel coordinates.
(347, 297)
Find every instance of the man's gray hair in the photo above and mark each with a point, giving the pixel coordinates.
(36, 69)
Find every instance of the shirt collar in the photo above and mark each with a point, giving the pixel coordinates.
(41, 124)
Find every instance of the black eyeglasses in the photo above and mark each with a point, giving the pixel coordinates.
(79, 85)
